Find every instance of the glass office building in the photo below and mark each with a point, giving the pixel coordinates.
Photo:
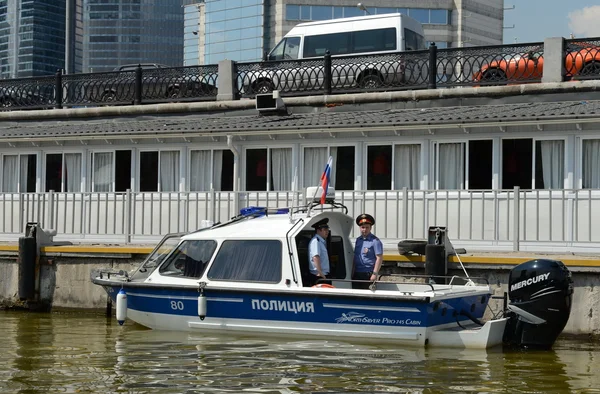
(234, 30)
(32, 37)
(117, 32)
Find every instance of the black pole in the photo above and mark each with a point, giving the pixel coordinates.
(138, 86)
(327, 72)
(432, 66)
(58, 88)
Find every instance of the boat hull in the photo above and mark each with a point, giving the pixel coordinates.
(316, 313)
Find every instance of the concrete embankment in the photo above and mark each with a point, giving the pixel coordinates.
(64, 273)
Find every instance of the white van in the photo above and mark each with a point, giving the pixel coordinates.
(374, 35)
(351, 36)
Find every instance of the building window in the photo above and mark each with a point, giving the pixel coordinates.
(159, 171)
(463, 165)
(519, 163)
(379, 167)
(342, 171)
(407, 164)
(249, 261)
(211, 169)
(111, 171)
(292, 12)
(400, 163)
(63, 172)
(277, 162)
(19, 173)
(550, 164)
(590, 173)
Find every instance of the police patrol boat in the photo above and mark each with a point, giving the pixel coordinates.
(249, 275)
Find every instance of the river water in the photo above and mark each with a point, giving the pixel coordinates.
(82, 353)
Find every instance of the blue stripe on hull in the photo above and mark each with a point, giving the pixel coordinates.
(309, 308)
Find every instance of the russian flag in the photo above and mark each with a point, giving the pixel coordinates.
(326, 179)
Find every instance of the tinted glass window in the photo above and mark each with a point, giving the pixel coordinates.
(336, 43)
(189, 258)
(413, 41)
(292, 12)
(374, 40)
(250, 261)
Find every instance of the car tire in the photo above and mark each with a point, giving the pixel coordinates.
(494, 76)
(412, 246)
(6, 102)
(263, 86)
(371, 81)
(591, 68)
(108, 97)
(173, 93)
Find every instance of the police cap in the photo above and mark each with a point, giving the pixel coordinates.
(321, 224)
(365, 218)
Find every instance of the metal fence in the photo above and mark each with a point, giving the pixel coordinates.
(535, 220)
(432, 68)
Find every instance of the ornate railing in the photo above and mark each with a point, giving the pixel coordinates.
(582, 58)
(425, 69)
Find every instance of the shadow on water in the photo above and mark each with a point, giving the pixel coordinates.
(88, 353)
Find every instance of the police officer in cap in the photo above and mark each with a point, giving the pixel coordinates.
(368, 253)
(318, 259)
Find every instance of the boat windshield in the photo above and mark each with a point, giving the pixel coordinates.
(189, 258)
(164, 247)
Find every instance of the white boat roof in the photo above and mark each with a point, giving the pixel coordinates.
(274, 226)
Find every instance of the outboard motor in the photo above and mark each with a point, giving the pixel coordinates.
(540, 293)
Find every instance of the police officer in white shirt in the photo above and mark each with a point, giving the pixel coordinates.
(318, 259)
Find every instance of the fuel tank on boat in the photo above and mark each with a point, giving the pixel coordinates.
(540, 293)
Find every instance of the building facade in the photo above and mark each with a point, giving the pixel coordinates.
(448, 23)
(32, 37)
(117, 32)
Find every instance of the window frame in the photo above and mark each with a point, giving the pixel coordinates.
(533, 163)
(244, 177)
(434, 161)
(365, 161)
(62, 180)
(212, 166)
(328, 146)
(220, 247)
(579, 156)
(19, 154)
(138, 168)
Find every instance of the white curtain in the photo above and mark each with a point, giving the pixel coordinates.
(10, 174)
(169, 171)
(24, 170)
(553, 164)
(314, 164)
(281, 168)
(200, 171)
(72, 178)
(451, 165)
(103, 172)
(406, 166)
(333, 154)
(591, 164)
(217, 169)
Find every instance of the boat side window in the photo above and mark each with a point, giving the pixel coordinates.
(189, 258)
(287, 49)
(248, 261)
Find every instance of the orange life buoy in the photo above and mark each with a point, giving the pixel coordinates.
(324, 286)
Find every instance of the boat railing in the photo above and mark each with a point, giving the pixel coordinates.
(434, 280)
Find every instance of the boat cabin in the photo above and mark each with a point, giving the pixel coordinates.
(261, 246)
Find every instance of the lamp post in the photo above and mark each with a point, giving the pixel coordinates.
(362, 7)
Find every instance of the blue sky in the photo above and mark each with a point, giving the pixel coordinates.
(535, 20)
